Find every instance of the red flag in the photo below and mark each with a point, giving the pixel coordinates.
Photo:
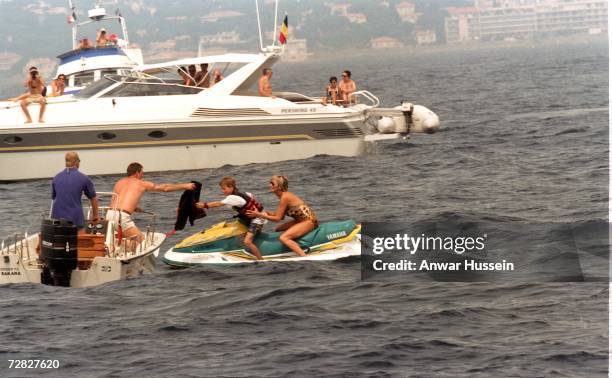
(284, 32)
(72, 17)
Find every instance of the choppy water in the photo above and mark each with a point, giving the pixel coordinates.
(524, 141)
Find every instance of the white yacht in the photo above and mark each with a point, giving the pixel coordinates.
(149, 115)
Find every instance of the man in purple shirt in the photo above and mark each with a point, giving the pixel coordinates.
(68, 187)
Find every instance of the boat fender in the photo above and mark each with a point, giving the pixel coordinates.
(386, 125)
(424, 120)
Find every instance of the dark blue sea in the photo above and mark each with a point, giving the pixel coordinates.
(523, 147)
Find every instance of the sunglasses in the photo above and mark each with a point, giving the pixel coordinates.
(98, 226)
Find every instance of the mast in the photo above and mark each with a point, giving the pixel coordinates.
(259, 26)
(75, 26)
(275, 22)
(122, 23)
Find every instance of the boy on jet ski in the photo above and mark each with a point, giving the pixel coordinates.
(242, 202)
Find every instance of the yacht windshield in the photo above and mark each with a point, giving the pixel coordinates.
(131, 87)
(96, 87)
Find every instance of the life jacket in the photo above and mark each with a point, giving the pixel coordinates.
(251, 204)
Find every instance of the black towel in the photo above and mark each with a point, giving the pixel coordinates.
(187, 208)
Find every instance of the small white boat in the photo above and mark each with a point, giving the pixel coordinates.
(67, 259)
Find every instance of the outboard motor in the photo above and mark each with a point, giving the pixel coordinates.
(58, 251)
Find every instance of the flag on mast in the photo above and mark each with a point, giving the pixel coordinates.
(72, 17)
(284, 32)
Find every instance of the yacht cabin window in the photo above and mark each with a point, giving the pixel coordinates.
(95, 88)
(83, 79)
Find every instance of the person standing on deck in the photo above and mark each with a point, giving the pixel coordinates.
(265, 86)
(67, 190)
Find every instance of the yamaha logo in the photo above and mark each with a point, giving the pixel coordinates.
(336, 235)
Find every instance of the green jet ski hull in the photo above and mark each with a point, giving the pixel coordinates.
(223, 244)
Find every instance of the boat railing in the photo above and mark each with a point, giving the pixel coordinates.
(374, 101)
(123, 246)
(17, 244)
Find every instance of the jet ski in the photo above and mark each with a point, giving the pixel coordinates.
(222, 244)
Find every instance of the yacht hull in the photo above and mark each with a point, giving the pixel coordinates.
(105, 161)
(36, 151)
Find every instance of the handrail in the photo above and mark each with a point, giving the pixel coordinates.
(121, 249)
(369, 96)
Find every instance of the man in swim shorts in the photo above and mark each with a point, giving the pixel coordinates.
(129, 190)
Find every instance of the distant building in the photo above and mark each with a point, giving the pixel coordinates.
(166, 55)
(216, 16)
(214, 50)
(356, 18)
(223, 38)
(407, 12)
(522, 19)
(385, 43)
(8, 60)
(561, 17)
(176, 18)
(461, 24)
(213, 44)
(41, 8)
(169, 49)
(425, 37)
(296, 50)
(339, 9)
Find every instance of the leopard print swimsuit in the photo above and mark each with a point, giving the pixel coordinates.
(302, 213)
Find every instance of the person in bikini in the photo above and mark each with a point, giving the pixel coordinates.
(35, 85)
(241, 202)
(129, 190)
(304, 218)
(332, 92)
(58, 86)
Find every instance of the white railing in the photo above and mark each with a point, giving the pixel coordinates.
(374, 101)
(20, 246)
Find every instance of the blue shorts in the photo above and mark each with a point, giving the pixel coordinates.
(255, 228)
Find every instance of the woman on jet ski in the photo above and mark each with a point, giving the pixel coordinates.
(304, 219)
